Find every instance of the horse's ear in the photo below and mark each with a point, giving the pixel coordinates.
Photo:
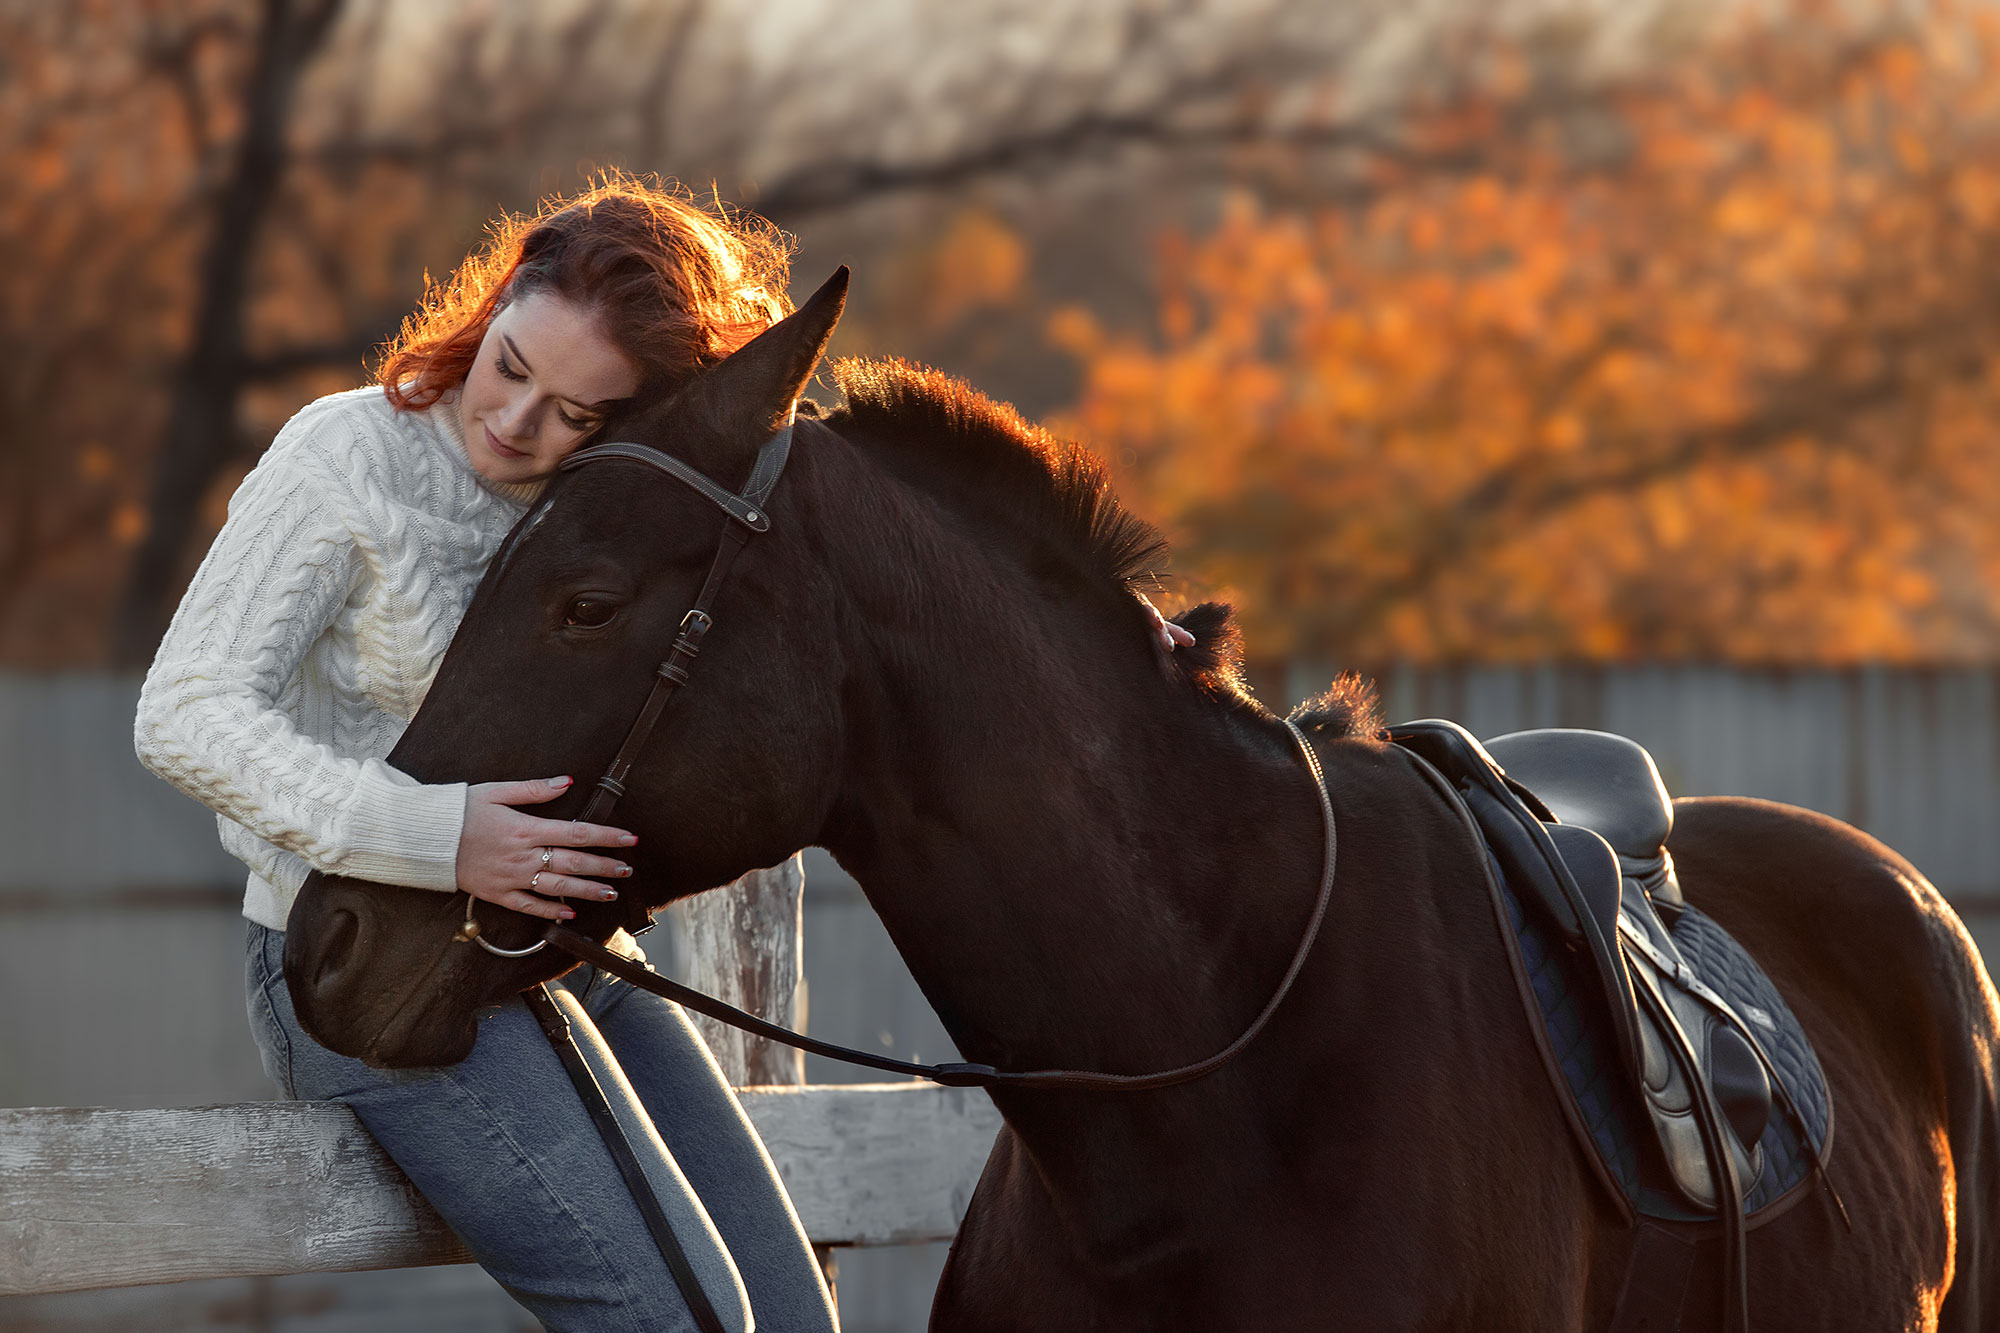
(752, 392)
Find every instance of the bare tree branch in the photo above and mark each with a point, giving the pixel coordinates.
(201, 423)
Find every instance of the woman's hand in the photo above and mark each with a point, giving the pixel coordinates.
(500, 851)
(1170, 635)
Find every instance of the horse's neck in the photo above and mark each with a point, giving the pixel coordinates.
(1080, 858)
(1084, 862)
(1057, 834)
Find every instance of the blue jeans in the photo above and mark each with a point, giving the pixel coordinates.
(502, 1147)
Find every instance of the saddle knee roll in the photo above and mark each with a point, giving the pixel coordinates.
(1736, 1079)
(1742, 1088)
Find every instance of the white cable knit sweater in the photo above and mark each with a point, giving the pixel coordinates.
(308, 639)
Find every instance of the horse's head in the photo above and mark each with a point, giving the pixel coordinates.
(551, 664)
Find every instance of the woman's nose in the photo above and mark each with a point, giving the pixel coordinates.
(518, 417)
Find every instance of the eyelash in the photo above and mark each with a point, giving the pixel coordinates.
(507, 372)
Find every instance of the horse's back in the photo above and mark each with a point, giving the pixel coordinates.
(1894, 995)
(1840, 920)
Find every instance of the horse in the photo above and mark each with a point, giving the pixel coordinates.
(1096, 854)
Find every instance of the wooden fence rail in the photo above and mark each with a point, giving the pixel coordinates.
(94, 1198)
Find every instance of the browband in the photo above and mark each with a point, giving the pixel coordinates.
(747, 508)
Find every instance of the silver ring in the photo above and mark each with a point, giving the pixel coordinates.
(535, 879)
(470, 931)
(548, 855)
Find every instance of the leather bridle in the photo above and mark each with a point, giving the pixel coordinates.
(748, 515)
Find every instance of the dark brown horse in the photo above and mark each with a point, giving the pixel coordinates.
(1095, 855)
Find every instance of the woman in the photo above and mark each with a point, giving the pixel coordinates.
(307, 641)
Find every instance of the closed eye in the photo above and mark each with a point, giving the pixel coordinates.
(507, 372)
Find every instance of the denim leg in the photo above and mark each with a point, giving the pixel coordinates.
(504, 1150)
(706, 1131)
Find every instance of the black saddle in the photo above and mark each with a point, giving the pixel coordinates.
(1606, 790)
(1644, 1037)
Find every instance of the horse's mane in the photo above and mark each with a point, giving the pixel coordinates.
(1055, 491)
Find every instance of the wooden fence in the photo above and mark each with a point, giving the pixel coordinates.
(113, 894)
(94, 1198)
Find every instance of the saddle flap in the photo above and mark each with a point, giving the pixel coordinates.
(1524, 848)
(1709, 1071)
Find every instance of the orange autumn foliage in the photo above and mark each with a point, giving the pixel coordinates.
(1708, 368)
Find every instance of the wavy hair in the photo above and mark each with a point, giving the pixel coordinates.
(677, 285)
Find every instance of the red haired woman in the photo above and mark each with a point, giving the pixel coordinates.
(307, 641)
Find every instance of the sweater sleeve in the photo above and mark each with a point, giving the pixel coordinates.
(278, 574)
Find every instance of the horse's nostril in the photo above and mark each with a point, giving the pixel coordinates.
(341, 935)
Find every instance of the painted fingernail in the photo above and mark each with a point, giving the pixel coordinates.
(626, 840)
(609, 895)
(624, 871)
(567, 915)
(559, 783)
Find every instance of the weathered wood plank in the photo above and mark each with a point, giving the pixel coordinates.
(116, 1198)
(876, 1163)
(93, 1198)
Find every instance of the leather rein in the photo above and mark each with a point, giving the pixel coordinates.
(748, 514)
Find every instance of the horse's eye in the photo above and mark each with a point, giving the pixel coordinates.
(590, 612)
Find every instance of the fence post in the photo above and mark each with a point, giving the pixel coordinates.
(742, 944)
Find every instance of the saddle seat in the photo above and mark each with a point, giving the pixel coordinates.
(1609, 785)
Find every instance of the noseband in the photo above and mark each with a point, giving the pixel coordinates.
(747, 515)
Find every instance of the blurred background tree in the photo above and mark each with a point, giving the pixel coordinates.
(217, 208)
(1706, 366)
(1526, 330)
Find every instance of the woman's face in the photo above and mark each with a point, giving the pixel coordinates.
(545, 379)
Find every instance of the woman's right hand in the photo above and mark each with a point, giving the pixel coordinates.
(500, 850)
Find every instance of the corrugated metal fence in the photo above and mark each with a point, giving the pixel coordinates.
(1910, 755)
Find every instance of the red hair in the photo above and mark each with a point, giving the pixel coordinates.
(676, 286)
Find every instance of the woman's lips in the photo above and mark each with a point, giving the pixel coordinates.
(493, 443)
